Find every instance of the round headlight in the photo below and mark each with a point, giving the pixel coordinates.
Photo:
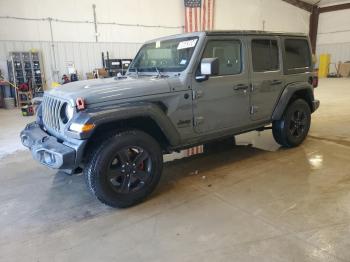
(66, 113)
(69, 112)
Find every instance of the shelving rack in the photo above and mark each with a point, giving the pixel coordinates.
(24, 98)
(25, 66)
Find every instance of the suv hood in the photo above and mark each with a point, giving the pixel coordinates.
(108, 89)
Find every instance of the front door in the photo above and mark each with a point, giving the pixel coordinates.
(222, 102)
(266, 76)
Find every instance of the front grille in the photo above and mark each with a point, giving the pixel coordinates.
(51, 113)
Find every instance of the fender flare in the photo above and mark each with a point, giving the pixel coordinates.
(288, 93)
(104, 115)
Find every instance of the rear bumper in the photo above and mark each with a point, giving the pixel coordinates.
(47, 150)
(315, 105)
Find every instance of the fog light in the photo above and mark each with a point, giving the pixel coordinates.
(25, 141)
(48, 158)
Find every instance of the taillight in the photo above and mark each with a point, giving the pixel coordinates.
(313, 80)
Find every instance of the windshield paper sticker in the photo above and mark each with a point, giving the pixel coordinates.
(187, 44)
(158, 44)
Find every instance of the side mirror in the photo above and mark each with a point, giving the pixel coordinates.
(209, 67)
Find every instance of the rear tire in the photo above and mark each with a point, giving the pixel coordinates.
(292, 129)
(124, 169)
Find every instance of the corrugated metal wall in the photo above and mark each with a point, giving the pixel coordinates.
(85, 55)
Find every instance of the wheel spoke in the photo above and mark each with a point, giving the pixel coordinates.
(293, 130)
(304, 120)
(300, 130)
(123, 155)
(141, 175)
(129, 170)
(142, 156)
(113, 174)
(125, 185)
(114, 171)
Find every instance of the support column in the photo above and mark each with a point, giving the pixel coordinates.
(315, 14)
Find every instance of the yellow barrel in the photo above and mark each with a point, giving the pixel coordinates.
(323, 69)
(55, 84)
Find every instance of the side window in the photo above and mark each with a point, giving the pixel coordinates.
(229, 54)
(265, 55)
(297, 53)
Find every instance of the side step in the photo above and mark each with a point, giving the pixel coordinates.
(263, 128)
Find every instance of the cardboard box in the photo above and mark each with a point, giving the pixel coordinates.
(102, 72)
(344, 69)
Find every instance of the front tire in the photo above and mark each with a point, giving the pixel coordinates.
(292, 129)
(124, 169)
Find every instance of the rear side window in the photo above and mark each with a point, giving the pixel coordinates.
(297, 53)
(265, 55)
(229, 54)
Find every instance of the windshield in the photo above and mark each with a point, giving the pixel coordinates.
(164, 56)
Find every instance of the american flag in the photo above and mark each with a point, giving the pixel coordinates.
(199, 15)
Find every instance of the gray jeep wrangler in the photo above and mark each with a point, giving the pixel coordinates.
(179, 92)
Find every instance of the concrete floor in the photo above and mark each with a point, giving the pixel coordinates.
(252, 203)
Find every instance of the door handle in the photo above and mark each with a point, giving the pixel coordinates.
(240, 87)
(276, 82)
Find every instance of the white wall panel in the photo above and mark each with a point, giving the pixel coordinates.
(250, 14)
(334, 27)
(334, 36)
(86, 56)
(146, 12)
(229, 14)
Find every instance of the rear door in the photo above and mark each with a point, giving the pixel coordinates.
(222, 101)
(266, 76)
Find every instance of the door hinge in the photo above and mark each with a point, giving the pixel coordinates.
(253, 110)
(197, 94)
(198, 120)
(251, 87)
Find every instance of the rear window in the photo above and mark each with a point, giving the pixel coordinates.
(265, 55)
(297, 53)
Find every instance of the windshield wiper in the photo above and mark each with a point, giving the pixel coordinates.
(135, 70)
(158, 72)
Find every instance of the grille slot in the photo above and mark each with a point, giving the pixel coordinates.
(51, 113)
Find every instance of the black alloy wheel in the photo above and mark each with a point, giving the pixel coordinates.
(124, 169)
(292, 129)
(298, 123)
(130, 170)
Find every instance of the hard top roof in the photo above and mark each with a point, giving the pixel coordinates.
(227, 33)
(252, 32)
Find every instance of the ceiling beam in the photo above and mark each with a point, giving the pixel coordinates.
(301, 4)
(334, 8)
(313, 29)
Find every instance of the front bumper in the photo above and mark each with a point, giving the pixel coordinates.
(48, 150)
(315, 105)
